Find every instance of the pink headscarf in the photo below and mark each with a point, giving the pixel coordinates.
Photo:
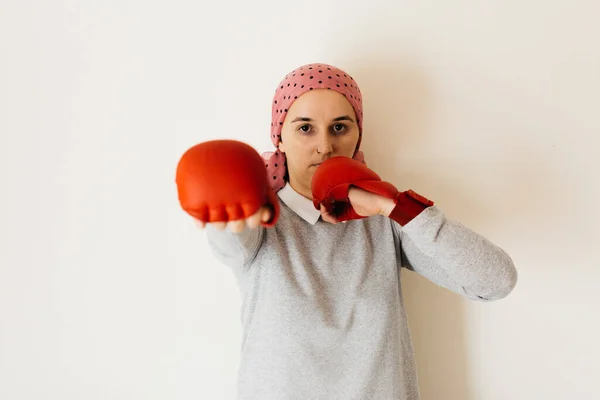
(294, 85)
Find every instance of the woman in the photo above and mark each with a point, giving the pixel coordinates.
(323, 314)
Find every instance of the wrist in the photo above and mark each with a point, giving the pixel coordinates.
(407, 206)
(386, 206)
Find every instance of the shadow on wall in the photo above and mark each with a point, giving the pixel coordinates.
(398, 107)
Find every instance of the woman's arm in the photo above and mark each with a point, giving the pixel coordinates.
(236, 243)
(234, 249)
(443, 251)
(453, 256)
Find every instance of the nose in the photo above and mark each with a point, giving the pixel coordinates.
(324, 144)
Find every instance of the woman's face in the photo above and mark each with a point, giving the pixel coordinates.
(319, 125)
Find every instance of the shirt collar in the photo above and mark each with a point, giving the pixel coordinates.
(299, 204)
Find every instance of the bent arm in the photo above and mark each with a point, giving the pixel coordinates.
(453, 256)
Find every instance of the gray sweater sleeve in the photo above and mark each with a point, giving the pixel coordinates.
(234, 249)
(454, 257)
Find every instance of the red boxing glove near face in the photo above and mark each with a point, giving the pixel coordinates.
(224, 180)
(332, 180)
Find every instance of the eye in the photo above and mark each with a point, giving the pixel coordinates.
(304, 128)
(339, 128)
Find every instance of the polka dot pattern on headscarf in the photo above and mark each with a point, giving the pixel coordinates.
(295, 84)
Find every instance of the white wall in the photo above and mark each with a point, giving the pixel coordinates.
(108, 291)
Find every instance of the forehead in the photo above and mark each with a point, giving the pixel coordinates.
(321, 103)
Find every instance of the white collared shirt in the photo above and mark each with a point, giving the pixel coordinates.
(299, 204)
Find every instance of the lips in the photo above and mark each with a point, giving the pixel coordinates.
(320, 162)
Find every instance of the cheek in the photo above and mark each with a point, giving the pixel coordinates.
(297, 151)
(299, 146)
(349, 142)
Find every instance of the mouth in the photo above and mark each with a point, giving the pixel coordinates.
(319, 163)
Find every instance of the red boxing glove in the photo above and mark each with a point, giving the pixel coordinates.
(224, 180)
(333, 178)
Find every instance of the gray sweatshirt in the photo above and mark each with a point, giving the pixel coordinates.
(323, 315)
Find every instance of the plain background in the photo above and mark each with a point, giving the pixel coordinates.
(108, 290)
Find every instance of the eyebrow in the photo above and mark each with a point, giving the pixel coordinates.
(305, 119)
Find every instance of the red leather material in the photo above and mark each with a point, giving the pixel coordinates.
(408, 205)
(224, 180)
(333, 178)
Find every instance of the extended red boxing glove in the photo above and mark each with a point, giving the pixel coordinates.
(224, 180)
(333, 178)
